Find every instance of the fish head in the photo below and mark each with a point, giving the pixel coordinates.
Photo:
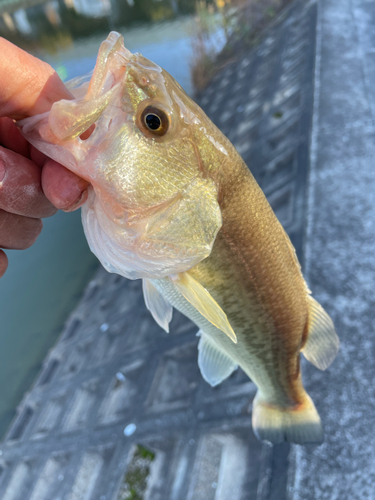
(151, 156)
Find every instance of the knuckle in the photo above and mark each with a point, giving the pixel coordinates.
(34, 230)
(18, 232)
(3, 263)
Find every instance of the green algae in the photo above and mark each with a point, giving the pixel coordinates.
(134, 484)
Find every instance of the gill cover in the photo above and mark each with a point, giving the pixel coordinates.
(151, 211)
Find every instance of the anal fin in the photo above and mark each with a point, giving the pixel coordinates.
(214, 364)
(322, 342)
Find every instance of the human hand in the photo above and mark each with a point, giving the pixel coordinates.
(31, 185)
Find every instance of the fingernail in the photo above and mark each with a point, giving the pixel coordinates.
(2, 171)
(81, 200)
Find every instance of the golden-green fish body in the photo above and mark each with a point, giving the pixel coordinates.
(253, 274)
(173, 203)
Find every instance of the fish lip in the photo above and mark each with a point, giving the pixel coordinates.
(111, 80)
(115, 70)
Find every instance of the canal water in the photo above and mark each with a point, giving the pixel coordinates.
(43, 284)
(167, 43)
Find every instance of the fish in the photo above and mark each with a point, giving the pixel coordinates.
(172, 203)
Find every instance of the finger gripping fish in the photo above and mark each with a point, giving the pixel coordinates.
(173, 203)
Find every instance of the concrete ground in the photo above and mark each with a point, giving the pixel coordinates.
(120, 410)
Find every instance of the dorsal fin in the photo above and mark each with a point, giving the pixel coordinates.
(322, 342)
(201, 299)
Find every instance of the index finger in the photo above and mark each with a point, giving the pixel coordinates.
(29, 86)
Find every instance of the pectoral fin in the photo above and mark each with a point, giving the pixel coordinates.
(322, 342)
(160, 309)
(214, 364)
(201, 299)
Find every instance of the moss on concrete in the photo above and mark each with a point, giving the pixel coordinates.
(134, 484)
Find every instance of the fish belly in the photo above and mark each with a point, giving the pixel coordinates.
(253, 350)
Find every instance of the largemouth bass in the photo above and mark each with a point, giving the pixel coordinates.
(173, 203)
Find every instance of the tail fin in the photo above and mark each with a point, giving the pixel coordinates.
(300, 425)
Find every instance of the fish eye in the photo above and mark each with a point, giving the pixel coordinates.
(155, 120)
(152, 122)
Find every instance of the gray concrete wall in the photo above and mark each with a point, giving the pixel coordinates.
(340, 257)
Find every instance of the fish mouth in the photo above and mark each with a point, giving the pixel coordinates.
(110, 67)
(77, 119)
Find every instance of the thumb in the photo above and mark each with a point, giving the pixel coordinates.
(28, 86)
